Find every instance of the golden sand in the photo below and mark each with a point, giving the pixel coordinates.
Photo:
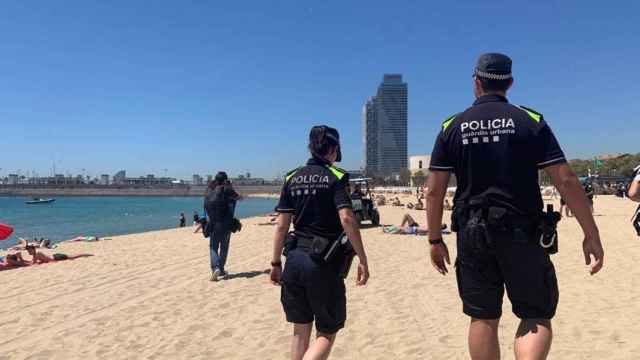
(148, 296)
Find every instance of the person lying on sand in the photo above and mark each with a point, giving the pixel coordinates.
(86, 239)
(40, 258)
(396, 202)
(14, 260)
(409, 226)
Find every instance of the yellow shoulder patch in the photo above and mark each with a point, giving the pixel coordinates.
(339, 173)
(291, 173)
(536, 116)
(448, 122)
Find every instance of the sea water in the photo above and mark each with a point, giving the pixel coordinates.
(69, 217)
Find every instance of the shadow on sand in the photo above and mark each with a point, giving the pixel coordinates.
(246, 275)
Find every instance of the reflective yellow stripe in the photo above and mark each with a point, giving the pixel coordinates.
(291, 174)
(339, 174)
(446, 124)
(533, 115)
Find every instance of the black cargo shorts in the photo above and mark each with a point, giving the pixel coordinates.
(313, 291)
(486, 265)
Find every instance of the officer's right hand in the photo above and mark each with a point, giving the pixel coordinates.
(593, 247)
(439, 254)
(276, 275)
(363, 273)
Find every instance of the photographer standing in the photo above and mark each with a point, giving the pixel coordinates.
(219, 204)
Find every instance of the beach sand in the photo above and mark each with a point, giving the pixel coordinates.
(148, 296)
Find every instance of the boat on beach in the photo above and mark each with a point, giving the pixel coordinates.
(35, 201)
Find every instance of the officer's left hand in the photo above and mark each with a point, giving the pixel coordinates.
(439, 254)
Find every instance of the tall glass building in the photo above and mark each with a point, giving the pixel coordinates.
(385, 128)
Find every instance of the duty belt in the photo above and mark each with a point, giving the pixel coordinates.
(318, 246)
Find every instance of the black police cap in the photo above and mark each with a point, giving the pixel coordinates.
(493, 66)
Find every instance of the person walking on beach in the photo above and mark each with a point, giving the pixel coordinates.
(317, 196)
(495, 150)
(183, 220)
(218, 205)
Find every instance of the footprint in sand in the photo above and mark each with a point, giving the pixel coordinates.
(226, 333)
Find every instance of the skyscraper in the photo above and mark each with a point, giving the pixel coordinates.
(385, 128)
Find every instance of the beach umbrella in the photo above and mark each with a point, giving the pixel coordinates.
(5, 231)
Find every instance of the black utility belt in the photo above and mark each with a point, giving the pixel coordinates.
(338, 252)
(539, 229)
(319, 247)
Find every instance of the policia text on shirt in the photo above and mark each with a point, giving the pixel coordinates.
(495, 150)
(316, 199)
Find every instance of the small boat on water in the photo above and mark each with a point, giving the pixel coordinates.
(35, 201)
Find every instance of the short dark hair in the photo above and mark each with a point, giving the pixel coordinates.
(489, 85)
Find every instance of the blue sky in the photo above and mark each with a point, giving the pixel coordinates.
(198, 86)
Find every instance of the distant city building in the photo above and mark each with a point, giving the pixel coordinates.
(419, 164)
(370, 135)
(197, 180)
(149, 180)
(355, 174)
(241, 180)
(209, 179)
(385, 124)
(104, 179)
(13, 179)
(119, 177)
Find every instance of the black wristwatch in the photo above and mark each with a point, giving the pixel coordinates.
(276, 264)
(436, 241)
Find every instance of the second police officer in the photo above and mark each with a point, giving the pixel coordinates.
(495, 149)
(315, 198)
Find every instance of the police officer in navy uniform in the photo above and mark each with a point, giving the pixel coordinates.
(495, 149)
(315, 198)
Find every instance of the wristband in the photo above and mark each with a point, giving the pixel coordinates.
(436, 241)
(276, 263)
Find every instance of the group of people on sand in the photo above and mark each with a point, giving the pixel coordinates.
(15, 260)
(41, 243)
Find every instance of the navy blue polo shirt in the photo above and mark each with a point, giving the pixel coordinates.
(314, 194)
(495, 149)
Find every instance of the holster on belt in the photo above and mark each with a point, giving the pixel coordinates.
(339, 253)
(477, 217)
(319, 247)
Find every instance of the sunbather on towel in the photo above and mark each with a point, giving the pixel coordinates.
(40, 258)
(409, 226)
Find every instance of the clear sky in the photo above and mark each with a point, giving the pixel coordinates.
(198, 86)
